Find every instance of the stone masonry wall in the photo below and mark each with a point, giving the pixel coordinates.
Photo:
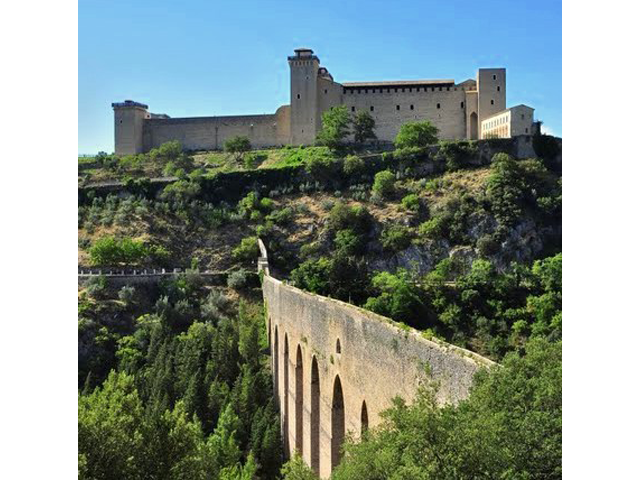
(210, 133)
(375, 361)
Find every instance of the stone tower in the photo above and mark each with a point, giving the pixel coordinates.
(129, 119)
(492, 88)
(304, 102)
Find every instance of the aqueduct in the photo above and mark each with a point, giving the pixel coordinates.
(336, 367)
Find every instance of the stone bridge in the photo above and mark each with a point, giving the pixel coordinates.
(336, 367)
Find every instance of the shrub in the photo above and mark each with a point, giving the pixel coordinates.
(343, 217)
(433, 228)
(383, 183)
(168, 151)
(409, 153)
(411, 202)
(237, 146)
(348, 242)
(353, 165)
(318, 161)
(110, 251)
(238, 279)
(127, 293)
(396, 238)
(247, 250)
(457, 154)
(281, 217)
(416, 134)
(96, 286)
(216, 306)
(487, 245)
(180, 191)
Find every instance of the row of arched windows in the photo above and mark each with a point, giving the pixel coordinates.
(337, 404)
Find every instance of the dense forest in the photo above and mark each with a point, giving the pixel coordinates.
(175, 383)
(174, 377)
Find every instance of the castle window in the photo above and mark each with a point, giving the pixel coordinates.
(371, 108)
(411, 107)
(440, 88)
(353, 109)
(438, 105)
(338, 348)
(498, 87)
(492, 102)
(433, 89)
(325, 91)
(522, 116)
(409, 89)
(388, 90)
(396, 90)
(403, 90)
(397, 107)
(448, 89)
(526, 130)
(461, 104)
(298, 96)
(494, 77)
(344, 91)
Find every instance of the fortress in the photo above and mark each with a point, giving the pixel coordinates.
(472, 109)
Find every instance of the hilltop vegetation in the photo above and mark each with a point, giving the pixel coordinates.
(458, 240)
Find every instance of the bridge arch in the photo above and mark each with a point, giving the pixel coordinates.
(276, 362)
(337, 422)
(299, 392)
(315, 416)
(364, 419)
(285, 386)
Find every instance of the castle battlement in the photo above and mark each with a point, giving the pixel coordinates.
(464, 110)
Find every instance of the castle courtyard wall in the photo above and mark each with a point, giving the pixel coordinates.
(210, 133)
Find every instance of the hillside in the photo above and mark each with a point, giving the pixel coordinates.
(461, 240)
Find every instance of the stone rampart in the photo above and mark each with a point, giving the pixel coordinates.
(210, 133)
(336, 367)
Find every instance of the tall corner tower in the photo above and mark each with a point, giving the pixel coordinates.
(492, 92)
(304, 98)
(129, 117)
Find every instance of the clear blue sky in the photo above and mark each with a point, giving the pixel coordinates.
(207, 57)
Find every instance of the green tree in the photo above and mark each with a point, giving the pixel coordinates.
(509, 427)
(353, 165)
(296, 469)
(335, 127)
(364, 127)
(416, 134)
(237, 146)
(383, 183)
(111, 429)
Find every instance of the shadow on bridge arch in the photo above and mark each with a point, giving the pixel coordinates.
(276, 358)
(298, 403)
(285, 397)
(337, 423)
(364, 419)
(315, 416)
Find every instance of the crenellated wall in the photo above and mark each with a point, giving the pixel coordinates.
(336, 367)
